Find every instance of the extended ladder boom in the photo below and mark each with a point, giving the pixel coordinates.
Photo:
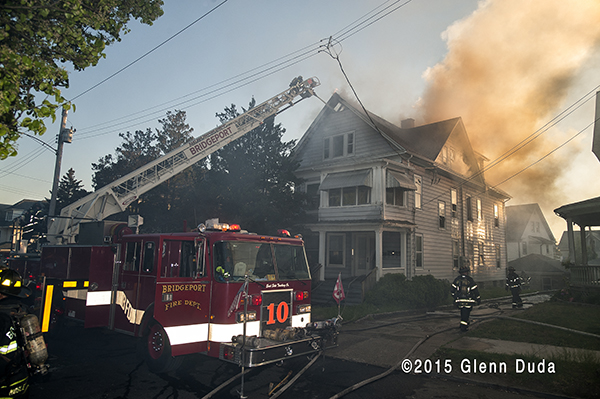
(116, 196)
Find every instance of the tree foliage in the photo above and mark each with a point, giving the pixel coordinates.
(158, 206)
(69, 190)
(249, 181)
(39, 39)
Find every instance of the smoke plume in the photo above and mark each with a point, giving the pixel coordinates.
(507, 72)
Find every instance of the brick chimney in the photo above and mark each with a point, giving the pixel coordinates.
(407, 123)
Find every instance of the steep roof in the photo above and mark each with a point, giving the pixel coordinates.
(425, 141)
(536, 263)
(517, 217)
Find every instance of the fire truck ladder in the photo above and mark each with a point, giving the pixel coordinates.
(116, 196)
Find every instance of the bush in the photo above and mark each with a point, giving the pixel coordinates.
(418, 293)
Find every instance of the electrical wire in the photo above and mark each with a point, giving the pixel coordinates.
(213, 93)
(528, 140)
(148, 52)
(545, 156)
(282, 63)
(214, 88)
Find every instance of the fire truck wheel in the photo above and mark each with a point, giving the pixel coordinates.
(158, 350)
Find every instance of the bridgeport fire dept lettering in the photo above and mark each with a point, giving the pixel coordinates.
(170, 288)
(183, 287)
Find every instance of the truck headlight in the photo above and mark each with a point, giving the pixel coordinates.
(239, 317)
(304, 308)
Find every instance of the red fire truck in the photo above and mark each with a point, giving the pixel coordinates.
(237, 296)
(241, 297)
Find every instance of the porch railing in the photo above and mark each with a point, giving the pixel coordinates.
(369, 282)
(585, 276)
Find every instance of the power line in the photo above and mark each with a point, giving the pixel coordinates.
(305, 53)
(148, 53)
(517, 147)
(214, 93)
(547, 155)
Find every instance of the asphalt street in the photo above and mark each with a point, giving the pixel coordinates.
(97, 363)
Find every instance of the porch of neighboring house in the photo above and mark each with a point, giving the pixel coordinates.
(585, 274)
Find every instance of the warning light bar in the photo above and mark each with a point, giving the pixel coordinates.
(214, 225)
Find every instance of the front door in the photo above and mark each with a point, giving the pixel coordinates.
(364, 253)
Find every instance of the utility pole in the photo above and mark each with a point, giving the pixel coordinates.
(64, 136)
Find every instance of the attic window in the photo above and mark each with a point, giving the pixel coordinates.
(338, 107)
(338, 146)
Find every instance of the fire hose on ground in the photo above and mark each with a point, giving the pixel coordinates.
(422, 340)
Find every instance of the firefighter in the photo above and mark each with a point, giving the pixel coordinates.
(513, 282)
(14, 373)
(465, 293)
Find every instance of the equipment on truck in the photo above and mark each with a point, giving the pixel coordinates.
(237, 296)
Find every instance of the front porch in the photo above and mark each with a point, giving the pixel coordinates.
(586, 214)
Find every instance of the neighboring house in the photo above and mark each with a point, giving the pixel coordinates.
(545, 273)
(592, 238)
(378, 209)
(585, 272)
(8, 213)
(527, 232)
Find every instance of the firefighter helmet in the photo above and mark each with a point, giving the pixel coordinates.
(11, 283)
(465, 265)
(511, 269)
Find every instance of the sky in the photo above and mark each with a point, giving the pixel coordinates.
(507, 67)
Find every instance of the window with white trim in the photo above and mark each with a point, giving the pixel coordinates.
(454, 201)
(496, 216)
(442, 214)
(418, 191)
(419, 250)
(349, 196)
(341, 145)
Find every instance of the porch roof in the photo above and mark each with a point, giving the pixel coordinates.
(347, 179)
(399, 179)
(584, 213)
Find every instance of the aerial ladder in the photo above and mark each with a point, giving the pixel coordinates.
(115, 197)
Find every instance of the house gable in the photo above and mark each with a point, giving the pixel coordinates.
(338, 137)
(526, 220)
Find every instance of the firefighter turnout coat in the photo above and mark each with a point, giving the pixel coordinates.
(465, 291)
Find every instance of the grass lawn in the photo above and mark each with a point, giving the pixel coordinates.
(576, 378)
(569, 315)
(575, 375)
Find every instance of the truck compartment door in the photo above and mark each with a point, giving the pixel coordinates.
(99, 294)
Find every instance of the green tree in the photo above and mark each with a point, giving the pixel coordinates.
(251, 180)
(38, 39)
(69, 190)
(166, 207)
(161, 207)
(137, 149)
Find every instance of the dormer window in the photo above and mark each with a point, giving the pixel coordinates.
(338, 146)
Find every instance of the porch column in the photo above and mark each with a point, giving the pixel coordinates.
(379, 252)
(584, 259)
(322, 258)
(571, 236)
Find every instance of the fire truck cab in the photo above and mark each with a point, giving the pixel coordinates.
(221, 291)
